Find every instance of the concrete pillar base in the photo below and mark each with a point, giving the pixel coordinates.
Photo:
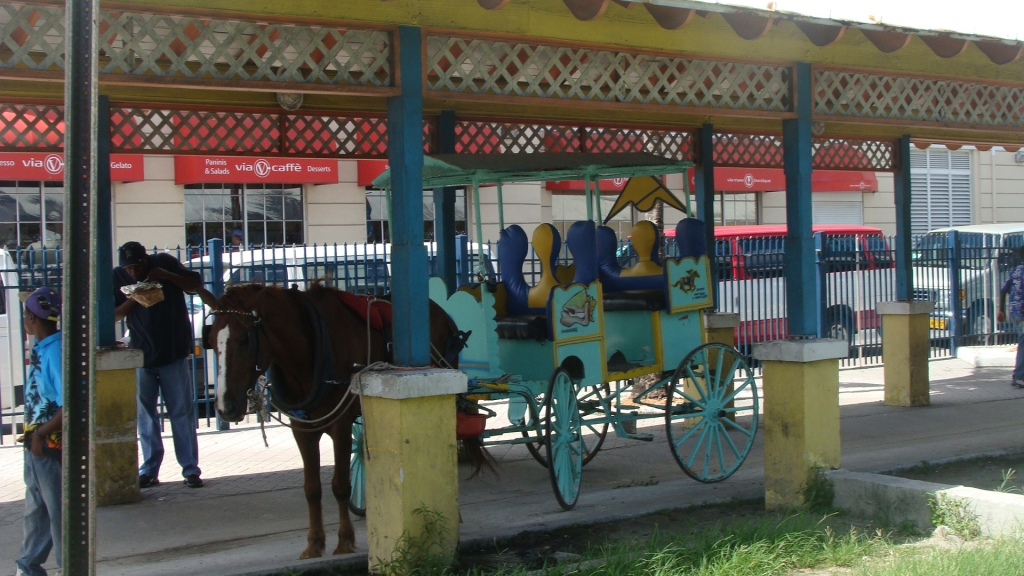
(905, 346)
(801, 414)
(412, 481)
(721, 327)
(117, 457)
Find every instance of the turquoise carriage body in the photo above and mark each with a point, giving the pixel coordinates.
(566, 353)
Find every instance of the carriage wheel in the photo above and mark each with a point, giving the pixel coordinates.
(563, 439)
(590, 400)
(357, 471)
(710, 429)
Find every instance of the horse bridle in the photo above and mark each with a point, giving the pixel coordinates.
(254, 333)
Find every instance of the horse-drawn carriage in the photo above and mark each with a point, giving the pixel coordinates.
(567, 350)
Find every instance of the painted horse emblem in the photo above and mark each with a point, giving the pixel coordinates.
(578, 310)
(688, 283)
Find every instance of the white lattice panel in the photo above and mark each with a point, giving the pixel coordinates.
(519, 69)
(864, 95)
(32, 37)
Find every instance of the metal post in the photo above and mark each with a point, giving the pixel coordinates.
(801, 307)
(408, 254)
(904, 241)
(104, 229)
(704, 176)
(444, 207)
(462, 259)
(215, 249)
(821, 249)
(80, 285)
(955, 305)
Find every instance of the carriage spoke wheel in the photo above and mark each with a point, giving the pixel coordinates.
(592, 400)
(563, 439)
(711, 412)
(357, 471)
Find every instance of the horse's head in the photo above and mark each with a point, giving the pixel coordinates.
(234, 336)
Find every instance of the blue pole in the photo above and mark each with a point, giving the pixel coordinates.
(955, 305)
(104, 230)
(801, 307)
(705, 192)
(444, 207)
(462, 259)
(821, 281)
(408, 254)
(904, 241)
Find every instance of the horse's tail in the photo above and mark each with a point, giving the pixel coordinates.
(478, 458)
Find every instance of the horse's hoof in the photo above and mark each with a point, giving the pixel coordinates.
(344, 549)
(311, 552)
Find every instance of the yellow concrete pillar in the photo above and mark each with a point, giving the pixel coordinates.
(801, 414)
(905, 347)
(117, 456)
(412, 482)
(721, 327)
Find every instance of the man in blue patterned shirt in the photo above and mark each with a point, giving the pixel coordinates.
(1015, 288)
(44, 416)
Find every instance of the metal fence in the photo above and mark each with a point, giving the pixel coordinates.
(962, 274)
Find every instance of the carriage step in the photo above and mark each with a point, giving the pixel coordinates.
(627, 429)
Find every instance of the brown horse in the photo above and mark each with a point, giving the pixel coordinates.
(258, 327)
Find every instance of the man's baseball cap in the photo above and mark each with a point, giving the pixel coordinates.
(131, 253)
(45, 303)
(237, 232)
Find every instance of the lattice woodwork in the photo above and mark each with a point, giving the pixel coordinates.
(867, 155)
(748, 150)
(150, 129)
(475, 137)
(499, 68)
(31, 127)
(320, 135)
(877, 96)
(32, 37)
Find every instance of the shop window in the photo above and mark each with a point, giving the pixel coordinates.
(377, 227)
(736, 209)
(31, 214)
(262, 214)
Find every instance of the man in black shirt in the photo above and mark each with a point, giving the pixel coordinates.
(164, 334)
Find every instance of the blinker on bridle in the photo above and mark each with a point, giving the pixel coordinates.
(254, 332)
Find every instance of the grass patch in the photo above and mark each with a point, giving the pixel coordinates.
(819, 491)
(986, 558)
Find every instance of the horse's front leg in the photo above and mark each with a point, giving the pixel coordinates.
(341, 433)
(309, 448)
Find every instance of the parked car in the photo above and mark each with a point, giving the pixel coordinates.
(986, 254)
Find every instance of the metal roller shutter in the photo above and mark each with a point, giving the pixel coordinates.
(940, 189)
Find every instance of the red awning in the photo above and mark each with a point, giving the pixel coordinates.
(577, 186)
(774, 179)
(247, 170)
(45, 166)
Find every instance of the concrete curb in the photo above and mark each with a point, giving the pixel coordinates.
(893, 500)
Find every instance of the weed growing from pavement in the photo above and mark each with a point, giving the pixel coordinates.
(956, 514)
(1006, 486)
(422, 555)
(819, 491)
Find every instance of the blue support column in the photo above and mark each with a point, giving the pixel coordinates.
(444, 207)
(904, 245)
(104, 229)
(821, 249)
(408, 254)
(704, 189)
(802, 309)
(954, 305)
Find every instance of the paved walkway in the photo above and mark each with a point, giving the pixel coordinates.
(251, 515)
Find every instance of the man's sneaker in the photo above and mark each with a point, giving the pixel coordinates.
(145, 481)
(193, 481)
(1017, 383)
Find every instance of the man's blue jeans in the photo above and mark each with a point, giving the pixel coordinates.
(173, 383)
(42, 521)
(1018, 370)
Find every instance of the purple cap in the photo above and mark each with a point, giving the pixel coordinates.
(45, 303)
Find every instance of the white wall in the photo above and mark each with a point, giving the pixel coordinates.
(151, 212)
(336, 213)
(527, 205)
(998, 187)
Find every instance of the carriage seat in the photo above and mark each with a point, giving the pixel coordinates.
(635, 301)
(647, 274)
(527, 327)
(513, 248)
